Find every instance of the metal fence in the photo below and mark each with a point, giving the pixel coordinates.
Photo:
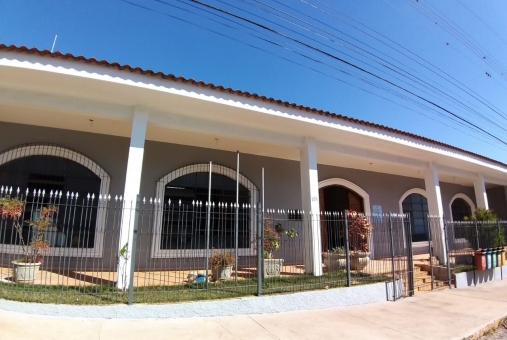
(464, 237)
(187, 252)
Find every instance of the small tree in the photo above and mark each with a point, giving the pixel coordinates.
(359, 231)
(13, 208)
(271, 239)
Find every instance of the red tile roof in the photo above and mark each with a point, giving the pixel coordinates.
(172, 77)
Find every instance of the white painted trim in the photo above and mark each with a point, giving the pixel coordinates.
(156, 252)
(419, 191)
(41, 149)
(464, 197)
(349, 185)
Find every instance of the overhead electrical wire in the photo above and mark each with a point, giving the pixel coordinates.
(347, 73)
(301, 65)
(408, 75)
(473, 61)
(485, 23)
(409, 54)
(486, 56)
(455, 31)
(349, 64)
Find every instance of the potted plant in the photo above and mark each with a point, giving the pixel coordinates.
(272, 237)
(26, 268)
(359, 233)
(335, 258)
(221, 264)
(271, 267)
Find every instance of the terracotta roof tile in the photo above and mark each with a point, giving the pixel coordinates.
(238, 92)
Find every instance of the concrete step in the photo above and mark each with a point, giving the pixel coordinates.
(423, 280)
(421, 273)
(427, 286)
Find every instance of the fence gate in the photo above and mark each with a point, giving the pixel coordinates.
(402, 256)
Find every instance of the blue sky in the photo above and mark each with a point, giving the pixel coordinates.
(233, 55)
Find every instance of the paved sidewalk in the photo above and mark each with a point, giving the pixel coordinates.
(447, 314)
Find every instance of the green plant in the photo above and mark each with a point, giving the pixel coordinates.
(482, 215)
(13, 208)
(499, 239)
(221, 259)
(272, 236)
(337, 250)
(123, 253)
(359, 231)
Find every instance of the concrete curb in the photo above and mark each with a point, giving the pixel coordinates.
(339, 297)
(488, 327)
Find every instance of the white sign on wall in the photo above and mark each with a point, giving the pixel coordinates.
(376, 211)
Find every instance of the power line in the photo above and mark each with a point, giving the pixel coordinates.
(439, 72)
(473, 61)
(313, 69)
(485, 23)
(418, 80)
(349, 64)
(454, 30)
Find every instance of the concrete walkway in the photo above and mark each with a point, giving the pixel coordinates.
(447, 314)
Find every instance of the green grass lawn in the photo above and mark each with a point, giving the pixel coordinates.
(107, 294)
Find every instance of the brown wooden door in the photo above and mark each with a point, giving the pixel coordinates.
(355, 202)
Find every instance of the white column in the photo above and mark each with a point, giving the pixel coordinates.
(132, 185)
(311, 208)
(436, 210)
(480, 192)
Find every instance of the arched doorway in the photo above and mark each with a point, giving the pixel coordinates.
(182, 225)
(336, 196)
(415, 204)
(41, 169)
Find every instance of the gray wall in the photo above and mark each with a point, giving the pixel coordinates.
(384, 190)
(497, 199)
(107, 151)
(282, 178)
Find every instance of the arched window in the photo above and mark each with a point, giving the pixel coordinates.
(461, 206)
(460, 209)
(416, 205)
(182, 223)
(39, 169)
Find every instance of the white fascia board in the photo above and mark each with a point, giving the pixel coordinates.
(372, 155)
(136, 79)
